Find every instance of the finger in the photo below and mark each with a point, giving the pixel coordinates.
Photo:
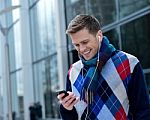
(71, 102)
(74, 101)
(60, 96)
(68, 97)
(63, 100)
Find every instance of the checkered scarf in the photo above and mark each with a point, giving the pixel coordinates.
(94, 66)
(110, 101)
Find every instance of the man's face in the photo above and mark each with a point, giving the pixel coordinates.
(85, 43)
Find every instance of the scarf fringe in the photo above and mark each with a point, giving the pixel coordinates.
(87, 96)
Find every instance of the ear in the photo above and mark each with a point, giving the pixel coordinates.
(99, 35)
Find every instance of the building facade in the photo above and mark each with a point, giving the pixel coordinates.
(39, 52)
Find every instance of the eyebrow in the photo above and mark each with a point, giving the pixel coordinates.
(81, 41)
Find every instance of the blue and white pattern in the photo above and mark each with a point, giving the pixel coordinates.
(110, 101)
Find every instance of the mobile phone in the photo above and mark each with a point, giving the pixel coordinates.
(63, 91)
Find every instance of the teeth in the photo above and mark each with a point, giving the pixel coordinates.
(86, 52)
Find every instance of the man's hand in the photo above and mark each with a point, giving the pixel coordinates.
(69, 101)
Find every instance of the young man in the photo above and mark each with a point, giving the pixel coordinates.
(105, 84)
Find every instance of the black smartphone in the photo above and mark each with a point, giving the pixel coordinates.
(63, 91)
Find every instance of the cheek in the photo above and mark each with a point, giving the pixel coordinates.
(95, 49)
(96, 46)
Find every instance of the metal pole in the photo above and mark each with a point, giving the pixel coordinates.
(8, 80)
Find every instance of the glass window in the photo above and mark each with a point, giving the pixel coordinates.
(11, 46)
(0, 59)
(43, 29)
(11, 53)
(1, 82)
(98, 8)
(1, 87)
(112, 35)
(74, 7)
(129, 6)
(73, 56)
(13, 37)
(135, 39)
(20, 92)
(17, 92)
(1, 104)
(103, 10)
(31, 2)
(17, 35)
(46, 73)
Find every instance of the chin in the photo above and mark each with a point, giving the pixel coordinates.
(87, 58)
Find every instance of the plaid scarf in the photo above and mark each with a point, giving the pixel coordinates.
(109, 98)
(94, 66)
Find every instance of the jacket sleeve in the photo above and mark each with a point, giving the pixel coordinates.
(139, 107)
(68, 114)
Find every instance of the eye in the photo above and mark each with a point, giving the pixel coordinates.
(76, 45)
(84, 42)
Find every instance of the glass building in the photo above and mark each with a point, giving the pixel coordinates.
(39, 52)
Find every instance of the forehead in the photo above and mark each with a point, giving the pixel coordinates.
(80, 36)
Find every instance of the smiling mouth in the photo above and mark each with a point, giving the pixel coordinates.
(87, 52)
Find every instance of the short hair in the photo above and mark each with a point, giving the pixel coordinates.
(82, 21)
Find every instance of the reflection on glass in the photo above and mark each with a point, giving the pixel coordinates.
(73, 56)
(17, 93)
(31, 2)
(112, 35)
(98, 8)
(45, 74)
(135, 39)
(17, 35)
(1, 96)
(103, 10)
(43, 29)
(129, 6)
(1, 86)
(20, 92)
